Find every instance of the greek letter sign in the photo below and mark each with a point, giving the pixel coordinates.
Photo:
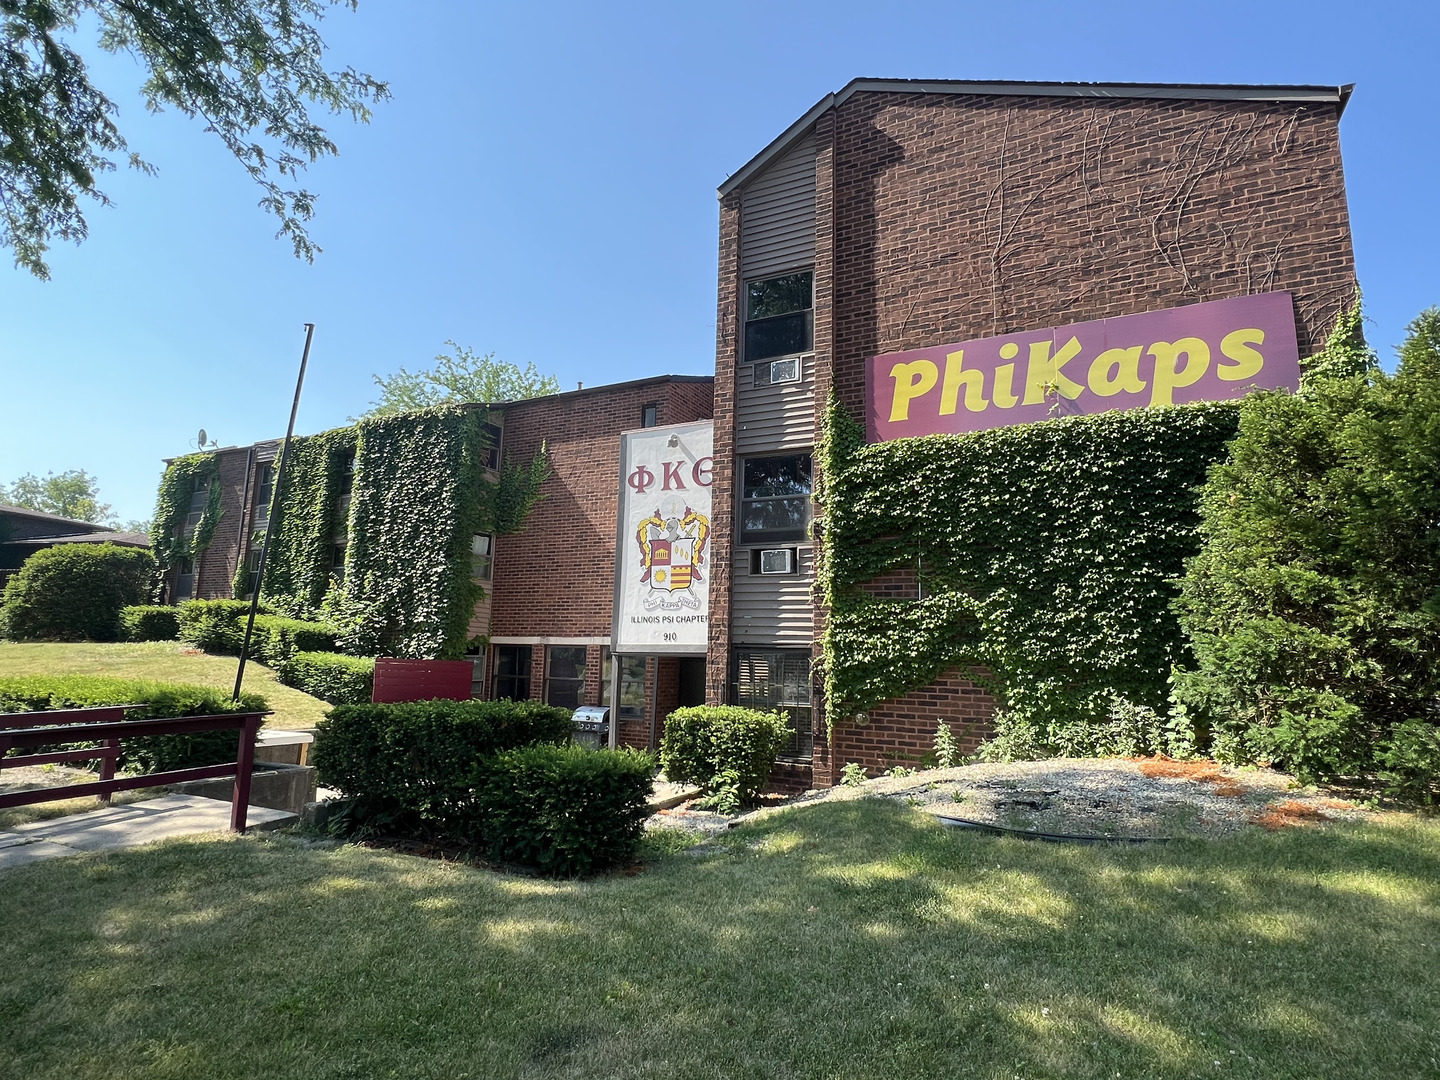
(1206, 352)
(662, 552)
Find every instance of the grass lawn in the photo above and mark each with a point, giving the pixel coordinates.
(165, 661)
(853, 940)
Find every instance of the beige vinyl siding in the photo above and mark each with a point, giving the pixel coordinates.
(772, 610)
(777, 215)
(776, 417)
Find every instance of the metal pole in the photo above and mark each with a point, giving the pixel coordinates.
(279, 490)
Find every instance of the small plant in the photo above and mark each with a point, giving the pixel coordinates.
(852, 774)
(899, 771)
(947, 749)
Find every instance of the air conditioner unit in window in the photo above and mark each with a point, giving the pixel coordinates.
(777, 560)
(770, 372)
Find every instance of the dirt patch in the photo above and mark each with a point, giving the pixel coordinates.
(1201, 772)
(1292, 812)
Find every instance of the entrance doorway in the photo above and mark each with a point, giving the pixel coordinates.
(692, 681)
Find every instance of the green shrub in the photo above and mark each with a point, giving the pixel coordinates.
(216, 626)
(565, 810)
(410, 767)
(1313, 606)
(152, 753)
(338, 679)
(150, 623)
(74, 592)
(277, 638)
(728, 751)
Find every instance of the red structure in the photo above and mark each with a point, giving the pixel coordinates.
(422, 680)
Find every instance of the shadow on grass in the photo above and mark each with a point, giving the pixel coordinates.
(842, 940)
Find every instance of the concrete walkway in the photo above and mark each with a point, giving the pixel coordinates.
(126, 826)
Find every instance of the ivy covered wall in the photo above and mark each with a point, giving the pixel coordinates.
(420, 492)
(1045, 556)
(184, 476)
(297, 573)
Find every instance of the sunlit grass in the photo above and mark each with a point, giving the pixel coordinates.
(842, 940)
(165, 661)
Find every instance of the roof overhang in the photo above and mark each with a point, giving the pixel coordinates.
(1337, 95)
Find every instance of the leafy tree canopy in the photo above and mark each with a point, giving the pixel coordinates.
(251, 69)
(466, 376)
(73, 494)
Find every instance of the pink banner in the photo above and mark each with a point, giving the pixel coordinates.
(1205, 352)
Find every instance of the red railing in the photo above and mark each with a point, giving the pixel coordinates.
(107, 725)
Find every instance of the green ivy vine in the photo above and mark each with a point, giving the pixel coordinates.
(297, 571)
(1046, 555)
(420, 492)
(183, 477)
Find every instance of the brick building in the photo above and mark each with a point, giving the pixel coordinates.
(898, 215)
(549, 587)
(892, 216)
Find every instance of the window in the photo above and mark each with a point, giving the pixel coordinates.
(565, 676)
(337, 561)
(347, 478)
(490, 445)
(184, 580)
(199, 500)
(253, 554)
(649, 415)
(632, 683)
(775, 499)
(480, 556)
(264, 489)
(779, 316)
(512, 673)
(778, 679)
(477, 673)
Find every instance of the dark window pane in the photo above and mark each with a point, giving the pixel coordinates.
(770, 476)
(772, 520)
(779, 296)
(513, 660)
(779, 336)
(567, 661)
(778, 679)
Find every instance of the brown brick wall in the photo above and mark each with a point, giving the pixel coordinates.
(948, 217)
(727, 338)
(216, 565)
(962, 216)
(902, 732)
(556, 576)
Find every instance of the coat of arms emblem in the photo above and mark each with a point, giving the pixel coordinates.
(672, 550)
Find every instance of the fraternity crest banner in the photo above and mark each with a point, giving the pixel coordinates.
(662, 550)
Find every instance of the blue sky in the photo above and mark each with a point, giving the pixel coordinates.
(543, 186)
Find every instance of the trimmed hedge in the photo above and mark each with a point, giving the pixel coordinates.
(727, 750)
(74, 592)
(340, 680)
(277, 638)
(410, 767)
(146, 622)
(215, 626)
(155, 753)
(564, 810)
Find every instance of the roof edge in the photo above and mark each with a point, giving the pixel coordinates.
(1339, 95)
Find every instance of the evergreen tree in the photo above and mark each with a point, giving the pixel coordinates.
(1313, 608)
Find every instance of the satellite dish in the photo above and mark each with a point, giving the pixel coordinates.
(200, 439)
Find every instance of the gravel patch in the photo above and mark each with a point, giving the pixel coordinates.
(1106, 797)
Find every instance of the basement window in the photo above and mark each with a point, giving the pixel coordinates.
(779, 316)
